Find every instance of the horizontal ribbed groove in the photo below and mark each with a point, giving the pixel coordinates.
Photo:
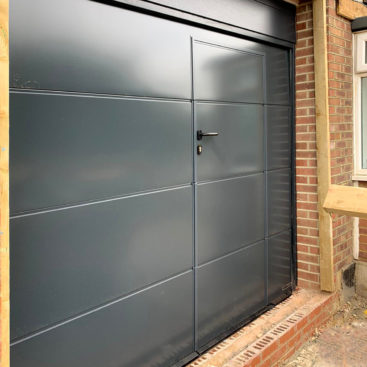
(199, 183)
(285, 168)
(278, 233)
(95, 95)
(243, 248)
(254, 173)
(97, 308)
(66, 93)
(134, 194)
(220, 102)
(99, 201)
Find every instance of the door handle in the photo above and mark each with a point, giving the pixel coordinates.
(200, 134)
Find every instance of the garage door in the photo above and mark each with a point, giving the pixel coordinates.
(150, 185)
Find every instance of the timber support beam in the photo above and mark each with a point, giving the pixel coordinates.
(351, 9)
(346, 200)
(323, 144)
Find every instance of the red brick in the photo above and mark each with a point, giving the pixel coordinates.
(269, 350)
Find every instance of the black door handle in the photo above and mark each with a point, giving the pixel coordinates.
(200, 134)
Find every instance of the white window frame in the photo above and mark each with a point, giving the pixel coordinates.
(360, 71)
(360, 40)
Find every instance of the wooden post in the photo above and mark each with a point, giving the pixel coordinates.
(4, 184)
(323, 143)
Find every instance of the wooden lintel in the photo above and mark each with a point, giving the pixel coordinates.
(4, 184)
(323, 144)
(351, 9)
(347, 200)
(294, 2)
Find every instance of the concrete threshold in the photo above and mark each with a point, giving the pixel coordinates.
(275, 336)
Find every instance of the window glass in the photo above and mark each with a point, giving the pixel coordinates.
(364, 121)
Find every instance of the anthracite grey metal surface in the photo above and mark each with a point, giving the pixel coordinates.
(279, 264)
(277, 76)
(230, 289)
(279, 200)
(78, 258)
(73, 149)
(230, 214)
(278, 19)
(278, 137)
(105, 104)
(238, 149)
(97, 48)
(152, 328)
(359, 24)
(224, 74)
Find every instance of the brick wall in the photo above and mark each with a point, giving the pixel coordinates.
(306, 174)
(340, 64)
(341, 139)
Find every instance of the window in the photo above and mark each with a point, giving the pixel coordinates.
(363, 82)
(360, 106)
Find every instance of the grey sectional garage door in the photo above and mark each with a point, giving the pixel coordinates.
(134, 240)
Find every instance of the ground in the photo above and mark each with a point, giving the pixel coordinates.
(342, 342)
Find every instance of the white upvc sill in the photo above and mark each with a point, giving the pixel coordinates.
(359, 177)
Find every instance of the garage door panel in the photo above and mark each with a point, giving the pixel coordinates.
(229, 289)
(75, 259)
(278, 137)
(225, 74)
(91, 47)
(71, 149)
(129, 245)
(239, 147)
(279, 200)
(151, 328)
(279, 263)
(230, 214)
